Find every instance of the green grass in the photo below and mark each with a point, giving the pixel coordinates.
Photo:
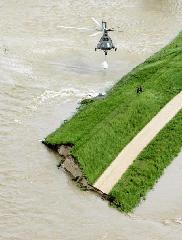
(102, 128)
(148, 167)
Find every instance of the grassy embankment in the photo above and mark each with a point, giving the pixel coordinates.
(148, 167)
(102, 128)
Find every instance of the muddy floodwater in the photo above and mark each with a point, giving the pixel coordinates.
(46, 68)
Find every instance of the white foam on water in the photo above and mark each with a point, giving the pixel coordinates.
(65, 94)
(178, 220)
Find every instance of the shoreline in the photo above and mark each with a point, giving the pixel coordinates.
(71, 166)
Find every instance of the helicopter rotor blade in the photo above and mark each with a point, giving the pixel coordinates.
(94, 34)
(97, 23)
(77, 28)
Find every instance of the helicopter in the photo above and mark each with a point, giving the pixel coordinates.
(105, 43)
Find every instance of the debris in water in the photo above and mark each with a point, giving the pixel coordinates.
(178, 220)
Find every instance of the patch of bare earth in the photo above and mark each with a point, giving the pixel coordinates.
(69, 164)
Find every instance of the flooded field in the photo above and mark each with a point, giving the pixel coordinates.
(45, 71)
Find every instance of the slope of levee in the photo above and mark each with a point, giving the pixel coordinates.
(103, 127)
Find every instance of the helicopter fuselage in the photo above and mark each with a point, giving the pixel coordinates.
(105, 43)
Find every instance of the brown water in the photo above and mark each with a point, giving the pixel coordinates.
(44, 72)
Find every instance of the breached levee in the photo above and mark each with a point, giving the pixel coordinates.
(71, 166)
(103, 127)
